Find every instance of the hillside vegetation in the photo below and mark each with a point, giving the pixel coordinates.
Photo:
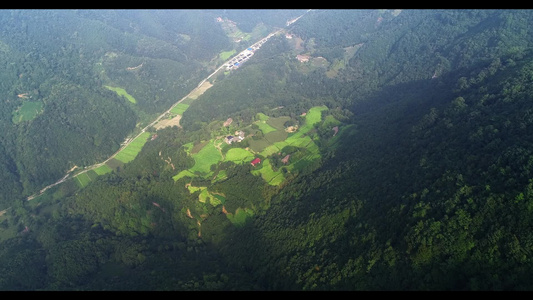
(398, 156)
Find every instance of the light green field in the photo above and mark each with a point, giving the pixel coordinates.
(122, 92)
(130, 152)
(238, 155)
(268, 174)
(184, 173)
(179, 109)
(264, 127)
(226, 54)
(83, 179)
(28, 111)
(221, 175)
(205, 158)
(103, 169)
(262, 117)
(313, 117)
(204, 196)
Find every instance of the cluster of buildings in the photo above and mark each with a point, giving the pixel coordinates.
(236, 61)
(238, 137)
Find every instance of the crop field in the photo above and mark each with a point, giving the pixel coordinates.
(28, 111)
(268, 174)
(264, 127)
(83, 179)
(122, 92)
(313, 116)
(103, 169)
(130, 152)
(262, 117)
(205, 158)
(279, 122)
(258, 145)
(238, 155)
(179, 109)
(276, 136)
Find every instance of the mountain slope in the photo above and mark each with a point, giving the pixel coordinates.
(426, 185)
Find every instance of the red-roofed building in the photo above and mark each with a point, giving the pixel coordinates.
(255, 161)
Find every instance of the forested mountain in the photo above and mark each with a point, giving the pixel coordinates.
(56, 66)
(394, 146)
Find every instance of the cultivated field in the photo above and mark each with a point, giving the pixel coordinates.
(130, 152)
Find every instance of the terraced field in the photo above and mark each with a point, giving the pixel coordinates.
(272, 143)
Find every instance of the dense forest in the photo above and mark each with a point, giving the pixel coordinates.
(424, 183)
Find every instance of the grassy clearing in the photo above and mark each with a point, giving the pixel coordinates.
(179, 109)
(130, 152)
(28, 111)
(227, 54)
(184, 173)
(122, 92)
(240, 216)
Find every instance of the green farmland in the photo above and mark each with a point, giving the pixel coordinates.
(179, 109)
(130, 152)
(239, 155)
(103, 169)
(271, 143)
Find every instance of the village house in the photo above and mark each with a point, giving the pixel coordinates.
(255, 162)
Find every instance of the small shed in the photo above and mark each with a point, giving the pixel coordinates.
(255, 162)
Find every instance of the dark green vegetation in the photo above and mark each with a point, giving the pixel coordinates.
(427, 184)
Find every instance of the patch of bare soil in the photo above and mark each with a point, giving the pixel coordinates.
(168, 122)
(200, 90)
